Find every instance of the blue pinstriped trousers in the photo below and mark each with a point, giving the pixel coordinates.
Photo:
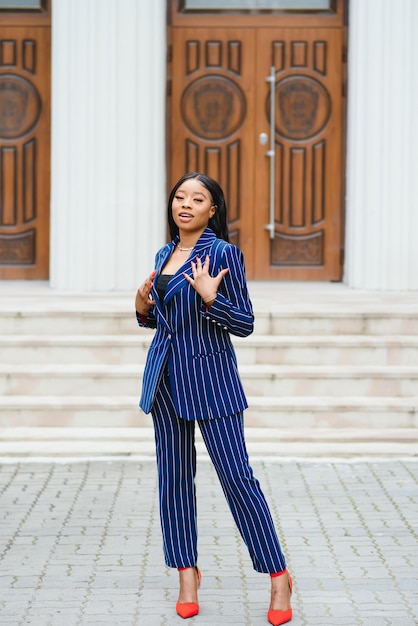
(176, 463)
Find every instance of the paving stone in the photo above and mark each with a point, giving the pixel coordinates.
(80, 543)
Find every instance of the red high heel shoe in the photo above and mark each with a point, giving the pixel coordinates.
(189, 609)
(276, 618)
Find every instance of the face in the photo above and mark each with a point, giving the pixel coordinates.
(192, 207)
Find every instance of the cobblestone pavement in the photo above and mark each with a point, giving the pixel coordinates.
(80, 544)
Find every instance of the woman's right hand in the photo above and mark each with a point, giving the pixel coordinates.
(143, 300)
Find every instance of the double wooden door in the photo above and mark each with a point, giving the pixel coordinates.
(257, 103)
(25, 65)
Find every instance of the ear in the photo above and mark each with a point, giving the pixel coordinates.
(213, 209)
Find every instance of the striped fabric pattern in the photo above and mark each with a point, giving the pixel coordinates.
(176, 462)
(196, 343)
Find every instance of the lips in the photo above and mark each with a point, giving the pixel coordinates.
(185, 216)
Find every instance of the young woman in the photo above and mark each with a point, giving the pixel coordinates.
(195, 298)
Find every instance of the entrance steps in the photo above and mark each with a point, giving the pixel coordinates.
(328, 370)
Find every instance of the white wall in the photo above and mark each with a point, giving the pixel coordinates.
(382, 172)
(108, 142)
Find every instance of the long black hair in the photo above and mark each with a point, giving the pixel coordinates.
(218, 221)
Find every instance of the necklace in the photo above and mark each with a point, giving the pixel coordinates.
(184, 249)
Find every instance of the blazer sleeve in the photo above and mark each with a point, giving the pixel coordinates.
(232, 307)
(146, 321)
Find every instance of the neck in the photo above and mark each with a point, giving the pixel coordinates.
(188, 240)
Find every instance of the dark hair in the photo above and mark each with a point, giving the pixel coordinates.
(218, 221)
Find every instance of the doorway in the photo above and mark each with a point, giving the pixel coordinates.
(25, 67)
(257, 101)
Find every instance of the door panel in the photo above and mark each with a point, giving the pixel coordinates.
(24, 151)
(306, 242)
(212, 117)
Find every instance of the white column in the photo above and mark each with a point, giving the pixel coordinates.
(108, 181)
(382, 146)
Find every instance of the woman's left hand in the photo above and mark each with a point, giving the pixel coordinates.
(205, 284)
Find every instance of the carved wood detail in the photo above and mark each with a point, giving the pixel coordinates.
(299, 54)
(8, 53)
(18, 249)
(234, 57)
(213, 107)
(29, 181)
(213, 54)
(192, 156)
(20, 106)
(29, 55)
(318, 182)
(233, 178)
(297, 191)
(320, 57)
(8, 186)
(297, 250)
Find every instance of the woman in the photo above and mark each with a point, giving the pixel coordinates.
(195, 298)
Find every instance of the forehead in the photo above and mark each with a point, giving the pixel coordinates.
(193, 186)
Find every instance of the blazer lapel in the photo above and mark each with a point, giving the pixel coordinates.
(178, 281)
(162, 260)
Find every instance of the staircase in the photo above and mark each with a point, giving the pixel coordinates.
(328, 371)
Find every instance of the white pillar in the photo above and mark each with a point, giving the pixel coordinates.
(382, 146)
(108, 181)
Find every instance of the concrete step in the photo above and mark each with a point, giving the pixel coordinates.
(327, 350)
(266, 412)
(86, 349)
(261, 442)
(97, 319)
(330, 380)
(275, 350)
(267, 380)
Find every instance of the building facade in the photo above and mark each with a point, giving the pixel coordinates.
(117, 118)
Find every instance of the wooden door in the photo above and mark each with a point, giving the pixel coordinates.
(306, 213)
(286, 212)
(25, 53)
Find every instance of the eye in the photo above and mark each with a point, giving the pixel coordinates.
(179, 197)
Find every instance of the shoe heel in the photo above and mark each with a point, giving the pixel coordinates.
(276, 618)
(189, 609)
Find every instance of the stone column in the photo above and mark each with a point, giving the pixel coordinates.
(382, 146)
(108, 142)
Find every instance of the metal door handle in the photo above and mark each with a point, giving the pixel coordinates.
(272, 152)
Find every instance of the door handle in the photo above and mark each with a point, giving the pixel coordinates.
(271, 153)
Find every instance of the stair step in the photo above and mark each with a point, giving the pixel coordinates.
(317, 320)
(327, 350)
(263, 412)
(291, 350)
(39, 379)
(330, 380)
(86, 349)
(265, 442)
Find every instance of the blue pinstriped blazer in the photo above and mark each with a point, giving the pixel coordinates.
(196, 343)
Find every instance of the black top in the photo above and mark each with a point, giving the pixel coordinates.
(161, 285)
